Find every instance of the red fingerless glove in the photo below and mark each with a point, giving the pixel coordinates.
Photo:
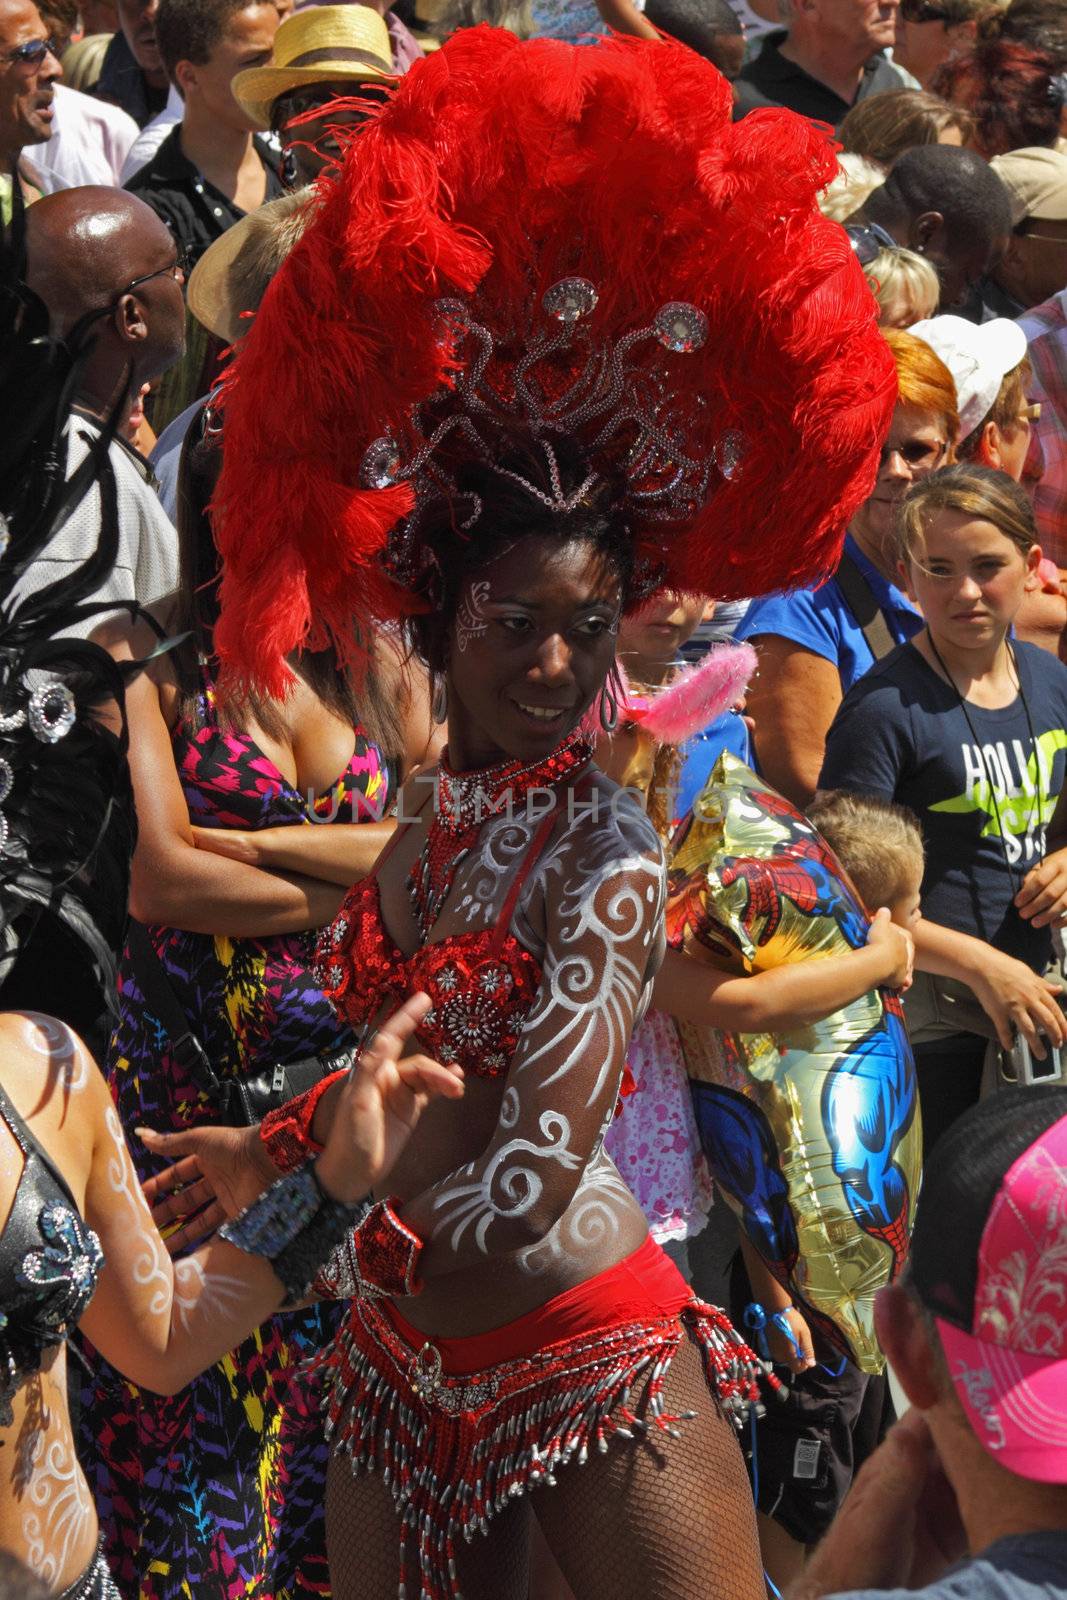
(387, 1252)
(286, 1132)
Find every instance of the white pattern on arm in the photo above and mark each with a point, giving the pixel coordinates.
(603, 887)
(157, 1322)
(150, 1265)
(67, 1057)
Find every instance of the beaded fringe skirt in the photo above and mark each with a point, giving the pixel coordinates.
(454, 1448)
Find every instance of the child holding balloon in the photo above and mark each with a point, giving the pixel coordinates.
(805, 1451)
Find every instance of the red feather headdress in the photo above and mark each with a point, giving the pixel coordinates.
(725, 338)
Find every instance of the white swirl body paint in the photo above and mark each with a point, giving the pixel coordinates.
(544, 1189)
(208, 1294)
(55, 1041)
(60, 1510)
(149, 1266)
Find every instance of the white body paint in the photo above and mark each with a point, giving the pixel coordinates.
(543, 1192)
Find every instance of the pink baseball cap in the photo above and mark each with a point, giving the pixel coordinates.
(989, 1261)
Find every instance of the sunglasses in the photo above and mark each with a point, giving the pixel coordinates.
(868, 240)
(178, 269)
(32, 53)
(914, 453)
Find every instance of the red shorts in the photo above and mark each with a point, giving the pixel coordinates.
(458, 1427)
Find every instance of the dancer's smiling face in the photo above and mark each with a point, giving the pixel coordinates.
(529, 647)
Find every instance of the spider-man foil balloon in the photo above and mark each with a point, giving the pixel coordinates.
(813, 1136)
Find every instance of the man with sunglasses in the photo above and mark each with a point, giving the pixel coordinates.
(830, 55)
(930, 32)
(105, 265)
(326, 64)
(29, 69)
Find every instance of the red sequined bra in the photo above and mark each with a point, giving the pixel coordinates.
(482, 984)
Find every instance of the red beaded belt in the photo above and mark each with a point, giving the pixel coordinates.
(455, 1442)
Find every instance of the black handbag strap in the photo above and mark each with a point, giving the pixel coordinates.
(860, 599)
(161, 1000)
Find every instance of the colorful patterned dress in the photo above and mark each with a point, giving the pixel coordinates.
(217, 1493)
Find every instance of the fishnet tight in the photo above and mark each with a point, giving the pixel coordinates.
(669, 1520)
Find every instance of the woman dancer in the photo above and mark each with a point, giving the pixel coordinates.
(532, 428)
(78, 1246)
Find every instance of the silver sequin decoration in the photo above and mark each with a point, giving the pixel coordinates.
(381, 466)
(728, 453)
(5, 533)
(52, 712)
(570, 299)
(11, 721)
(681, 327)
(7, 779)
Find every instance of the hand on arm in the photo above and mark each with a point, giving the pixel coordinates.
(160, 1322)
(788, 996)
(1042, 899)
(179, 886)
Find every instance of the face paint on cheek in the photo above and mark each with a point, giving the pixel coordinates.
(471, 621)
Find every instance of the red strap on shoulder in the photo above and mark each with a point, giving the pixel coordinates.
(395, 838)
(529, 861)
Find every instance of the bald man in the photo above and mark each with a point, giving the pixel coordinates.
(102, 258)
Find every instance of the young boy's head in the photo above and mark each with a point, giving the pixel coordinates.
(652, 638)
(878, 844)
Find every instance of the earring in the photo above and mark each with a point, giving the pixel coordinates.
(289, 173)
(609, 703)
(439, 700)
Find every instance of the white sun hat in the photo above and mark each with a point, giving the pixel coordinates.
(978, 355)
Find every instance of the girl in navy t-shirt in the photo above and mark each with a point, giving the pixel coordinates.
(968, 727)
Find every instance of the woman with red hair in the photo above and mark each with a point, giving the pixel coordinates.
(465, 410)
(814, 643)
(1015, 94)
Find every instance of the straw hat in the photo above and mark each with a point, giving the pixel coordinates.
(232, 275)
(324, 44)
